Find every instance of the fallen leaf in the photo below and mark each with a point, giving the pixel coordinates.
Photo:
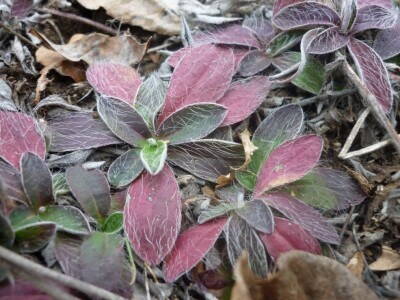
(249, 148)
(356, 264)
(224, 180)
(301, 276)
(389, 260)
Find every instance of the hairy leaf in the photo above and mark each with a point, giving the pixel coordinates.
(114, 80)
(77, 131)
(33, 237)
(22, 216)
(19, 134)
(289, 236)
(150, 99)
(11, 183)
(190, 247)
(214, 212)
(114, 222)
(153, 155)
(258, 215)
(241, 237)
(373, 17)
(60, 184)
(192, 123)
(383, 3)
(284, 166)
(305, 14)
(372, 72)
(243, 98)
(123, 120)
(21, 8)
(6, 232)
(387, 43)
(67, 251)
(152, 215)
(348, 13)
(36, 180)
(67, 218)
(279, 4)
(304, 215)
(284, 41)
(103, 263)
(260, 26)
(125, 168)
(91, 189)
(328, 40)
(254, 62)
(207, 159)
(202, 75)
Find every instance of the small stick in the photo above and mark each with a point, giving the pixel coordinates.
(10, 30)
(373, 104)
(29, 266)
(354, 132)
(346, 223)
(326, 96)
(70, 16)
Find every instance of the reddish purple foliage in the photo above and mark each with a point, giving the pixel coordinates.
(152, 215)
(11, 180)
(279, 4)
(191, 246)
(383, 3)
(19, 134)
(21, 290)
(21, 8)
(387, 42)
(373, 17)
(328, 40)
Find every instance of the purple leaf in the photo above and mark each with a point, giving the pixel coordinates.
(305, 216)
(77, 131)
(114, 80)
(91, 190)
(383, 3)
(207, 159)
(284, 166)
(254, 62)
(152, 215)
(258, 215)
(260, 26)
(191, 123)
(36, 180)
(348, 13)
(123, 120)
(243, 98)
(20, 290)
(11, 183)
(67, 251)
(373, 17)
(21, 8)
(387, 43)
(174, 59)
(33, 237)
(372, 72)
(19, 134)
(231, 35)
(289, 236)
(241, 237)
(279, 4)
(305, 14)
(328, 40)
(190, 247)
(202, 75)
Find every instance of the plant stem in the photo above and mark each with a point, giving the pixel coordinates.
(17, 261)
(373, 104)
(12, 31)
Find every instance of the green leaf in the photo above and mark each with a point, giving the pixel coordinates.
(284, 41)
(114, 222)
(68, 218)
(60, 184)
(312, 78)
(153, 155)
(6, 232)
(22, 216)
(150, 99)
(33, 237)
(215, 211)
(125, 169)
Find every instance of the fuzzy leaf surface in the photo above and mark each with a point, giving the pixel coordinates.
(383, 3)
(67, 251)
(328, 40)
(258, 215)
(260, 26)
(279, 4)
(126, 168)
(214, 212)
(33, 237)
(303, 215)
(254, 62)
(36, 180)
(91, 190)
(284, 41)
(373, 17)
(77, 131)
(289, 236)
(114, 80)
(387, 43)
(19, 134)
(192, 123)
(152, 215)
(372, 72)
(153, 156)
(191, 246)
(11, 183)
(114, 222)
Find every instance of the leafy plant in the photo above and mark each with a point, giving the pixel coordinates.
(281, 175)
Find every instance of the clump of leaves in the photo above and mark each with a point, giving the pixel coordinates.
(282, 175)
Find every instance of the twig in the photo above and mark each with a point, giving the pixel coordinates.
(373, 104)
(80, 19)
(354, 132)
(326, 96)
(346, 223)
(24, 264)
(10, 30)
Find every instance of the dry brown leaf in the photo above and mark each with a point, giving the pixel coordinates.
(248, 146)
(356, 264)
(153, 15)
(301, 276)
(224, 180)
(389, 260)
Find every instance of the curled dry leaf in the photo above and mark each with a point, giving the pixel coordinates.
(309, 277)
(389, 260)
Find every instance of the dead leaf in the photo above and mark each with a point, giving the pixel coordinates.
(249, 148)
(224, 180)
(301, 276)
(389, 260)
(356, 264)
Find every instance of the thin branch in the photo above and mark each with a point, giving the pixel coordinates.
(328, 95)
(13, 32)
(80, 19)
(373, 104)
(28, 266)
